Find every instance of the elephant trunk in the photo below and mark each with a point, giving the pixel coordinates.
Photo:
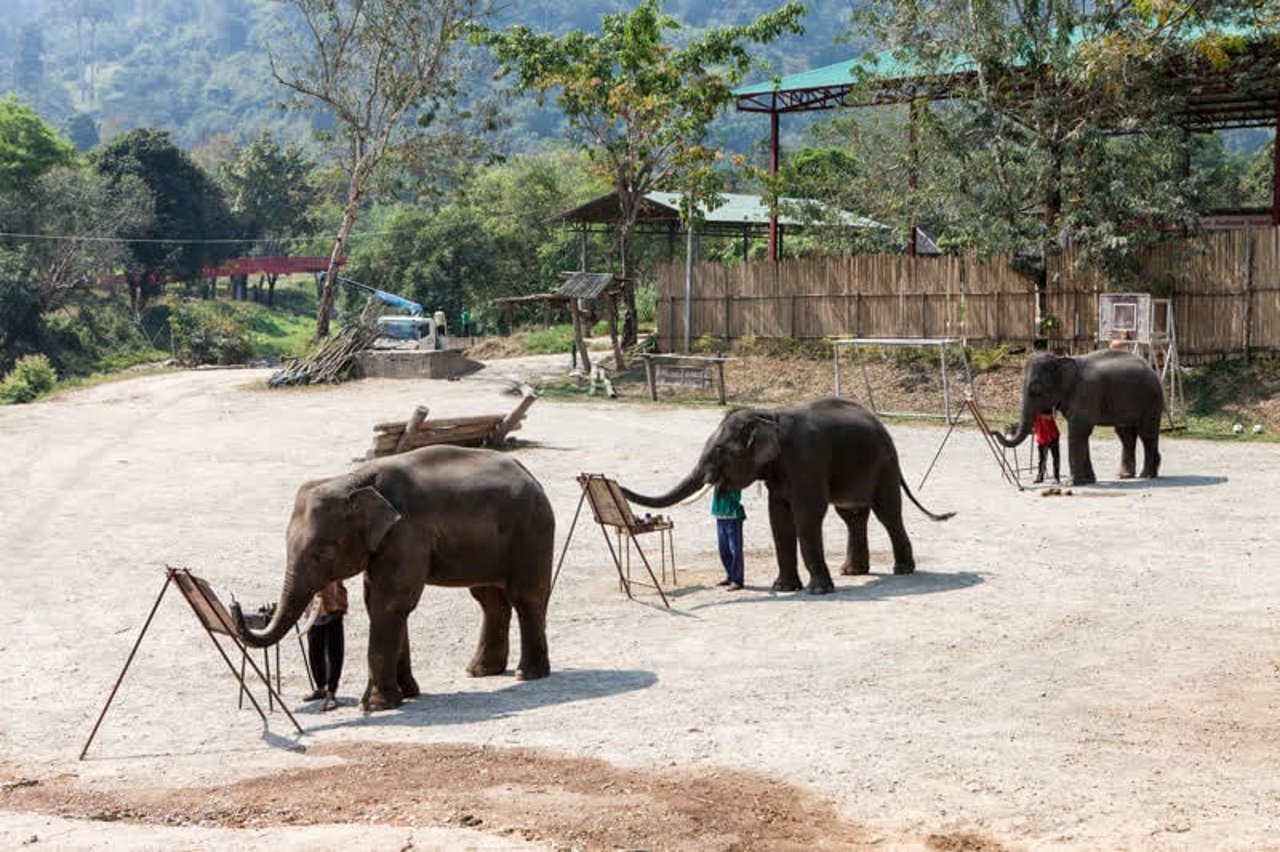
(685, 489)
(1024, 428)
(293, 602)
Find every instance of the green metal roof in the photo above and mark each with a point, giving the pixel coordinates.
(1215, 99)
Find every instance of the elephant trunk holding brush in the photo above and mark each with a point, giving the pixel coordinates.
(827, 452)
(444, 516)
(1103, 388)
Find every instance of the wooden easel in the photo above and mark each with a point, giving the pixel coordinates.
(610, 509)
(969, 404)
(214, 618)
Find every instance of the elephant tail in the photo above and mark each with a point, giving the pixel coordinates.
(931, 515)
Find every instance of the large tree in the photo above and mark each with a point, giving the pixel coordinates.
(191, 226)
(28, 146)
(639, 103)
(367, 65)
(1061, 119)
(271, 191)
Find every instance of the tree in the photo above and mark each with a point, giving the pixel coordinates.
(367, 64)
(83, 132)
(270, 190)
(191, 227)
(639, 105)
(79, 213)
(28, 146)
(1028, 151)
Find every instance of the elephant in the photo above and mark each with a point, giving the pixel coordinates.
(439, 515)
(1104, 388)
(828, 451)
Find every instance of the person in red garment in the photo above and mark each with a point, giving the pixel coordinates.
(1045, 429)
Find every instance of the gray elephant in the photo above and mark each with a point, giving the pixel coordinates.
(1104, 388)
(444, 516)
(829, 451)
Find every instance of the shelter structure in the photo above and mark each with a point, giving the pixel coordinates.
(1245, 93)
(737, 216)
(577, 292)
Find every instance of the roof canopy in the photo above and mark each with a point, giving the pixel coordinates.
(1245, 94)
(660, 211)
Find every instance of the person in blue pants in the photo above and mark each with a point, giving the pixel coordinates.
(726, 508)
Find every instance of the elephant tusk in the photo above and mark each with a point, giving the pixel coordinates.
(694, 497)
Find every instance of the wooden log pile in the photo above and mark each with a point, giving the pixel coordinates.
(487, 430)
(333, 359)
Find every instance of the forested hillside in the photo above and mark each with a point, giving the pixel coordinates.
(200, 68)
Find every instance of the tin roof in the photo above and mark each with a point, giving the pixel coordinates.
(734, 212)
(586, 285)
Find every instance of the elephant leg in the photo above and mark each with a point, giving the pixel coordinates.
(809, 532)
(1078, 453)
(531, 611)
(1128, 436)
(386, 631)
(404, 670)
(783, 526)
(491, 653)
(888, 510)
(1151, 451)
(857, 559)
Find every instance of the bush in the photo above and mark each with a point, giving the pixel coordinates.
(211, 333)
(31, 378)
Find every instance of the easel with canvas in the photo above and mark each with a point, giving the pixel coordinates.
(215, 619)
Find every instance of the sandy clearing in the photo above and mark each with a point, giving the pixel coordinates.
(1100, 670)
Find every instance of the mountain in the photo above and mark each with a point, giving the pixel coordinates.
(200, 68)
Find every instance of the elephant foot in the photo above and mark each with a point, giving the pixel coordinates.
(904, 569)
(409, 688)
(850, 570)
(1082, 480)
(377, 699)
(532, 672)
(824, 587)
(482, 668)
(784, 585)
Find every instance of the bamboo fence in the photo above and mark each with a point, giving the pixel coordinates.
(1224, 288)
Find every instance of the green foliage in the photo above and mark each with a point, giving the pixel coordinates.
(28, 146)
(211, 332)
(190, 210)
(638, 104)
(550, 340)
(32, 377)
(270, 190)
(982, 360)
(708, 343)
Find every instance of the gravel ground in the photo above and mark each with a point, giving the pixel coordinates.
(1093, 670)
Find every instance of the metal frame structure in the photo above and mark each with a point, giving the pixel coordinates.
(214, 618)
(941, 342)
(610, 508)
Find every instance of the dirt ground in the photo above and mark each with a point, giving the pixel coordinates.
(1083, 671)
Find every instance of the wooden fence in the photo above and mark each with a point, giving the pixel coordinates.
(1225, 291)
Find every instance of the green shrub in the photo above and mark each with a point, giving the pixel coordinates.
(549, 341)
(31, 378)
(211, 332)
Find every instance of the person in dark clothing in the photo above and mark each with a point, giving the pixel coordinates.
(325, 644)
(726, 507)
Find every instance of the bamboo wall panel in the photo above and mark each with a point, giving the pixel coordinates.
(1225, 290)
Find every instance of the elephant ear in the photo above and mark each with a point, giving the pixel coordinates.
(765, 441)
(374, 515)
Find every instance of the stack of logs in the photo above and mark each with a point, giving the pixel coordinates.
(333, 359)
(489, 430)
